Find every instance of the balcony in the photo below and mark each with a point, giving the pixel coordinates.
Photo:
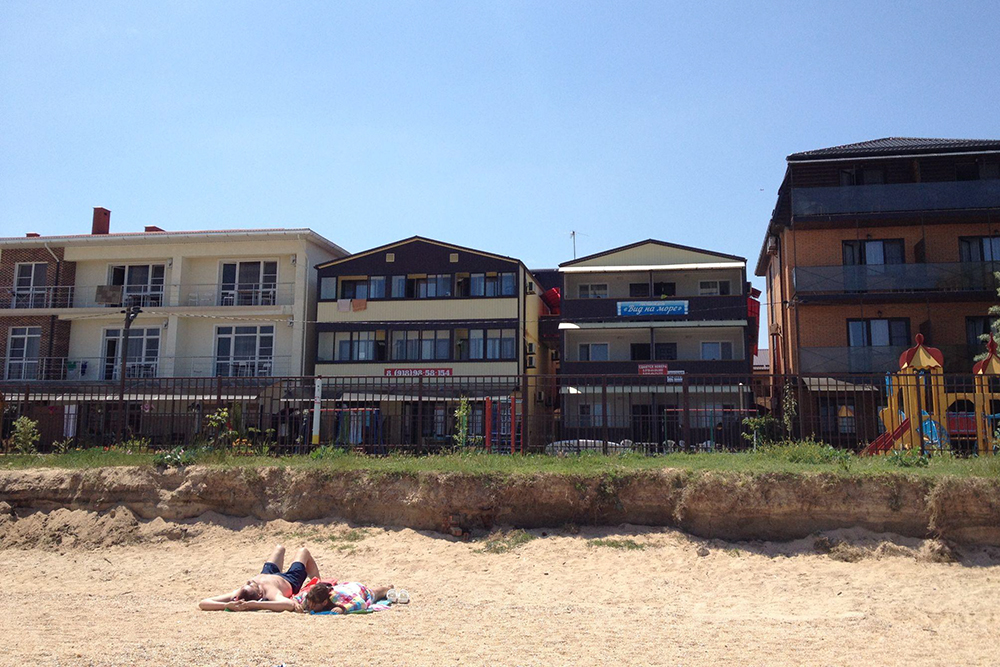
(731, 307)
(896, 197)
(99, 369)
(850, 359)
(148, 296)
(692, 366)
(882, 278)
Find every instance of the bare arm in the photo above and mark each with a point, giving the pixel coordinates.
(219, 602)
(281, 604)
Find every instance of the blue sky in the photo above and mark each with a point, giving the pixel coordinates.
(498, 125)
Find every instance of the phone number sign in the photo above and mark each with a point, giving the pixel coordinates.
(418, 372)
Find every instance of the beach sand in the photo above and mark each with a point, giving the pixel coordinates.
(555, 600)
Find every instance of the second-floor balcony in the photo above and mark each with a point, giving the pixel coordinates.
(148, 296)
(881, 278)
(98, 369)
(896, 197)
(728, 307)
(835, 360)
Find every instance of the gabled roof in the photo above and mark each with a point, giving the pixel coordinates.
(675, 246)
(396, 244)
(898, 146)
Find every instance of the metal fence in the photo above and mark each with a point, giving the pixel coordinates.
(503, 414)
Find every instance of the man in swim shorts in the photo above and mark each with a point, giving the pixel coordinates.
(272, 589)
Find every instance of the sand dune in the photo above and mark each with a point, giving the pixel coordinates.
(556, 600)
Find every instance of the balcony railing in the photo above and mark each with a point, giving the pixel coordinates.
(107, 369)
(850, 359)
(731, 307)
(896, 197)
(148, 296)
(945, 277)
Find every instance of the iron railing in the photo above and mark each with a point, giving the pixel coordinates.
(531, 414)
(149, 296)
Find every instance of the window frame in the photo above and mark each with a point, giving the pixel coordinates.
(262, 293)
(24, 361)
(590, 289)
(32, 294)
(708, 291)
(260, 360)
(722, 347)
(590, 352)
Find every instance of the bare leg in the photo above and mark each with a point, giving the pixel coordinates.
(278, 556)
(303, 556)
(379, 593)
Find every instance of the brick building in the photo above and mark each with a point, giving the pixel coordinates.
(874, 242)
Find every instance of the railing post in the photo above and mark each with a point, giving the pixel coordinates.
(604, 414)
(526, 401)
(686, 414)
(488, 423)
(801, 406)
(317, 409)
(420, 411)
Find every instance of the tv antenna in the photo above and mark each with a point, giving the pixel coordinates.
(572, 236)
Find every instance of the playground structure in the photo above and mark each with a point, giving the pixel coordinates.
(921, 414)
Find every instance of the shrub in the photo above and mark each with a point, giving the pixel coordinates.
(909, 458)
(25, 436)
(178, 456)
(808, 452)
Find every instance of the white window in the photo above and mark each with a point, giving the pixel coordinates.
(23, 346)
(713, 287)
(253, 283)
(30, 281)
(142, 284)
(244, 351)
(593, 352)
(594, 291)
(716, 351)
(142, 356)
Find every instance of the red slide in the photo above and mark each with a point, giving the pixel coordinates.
(884, 442)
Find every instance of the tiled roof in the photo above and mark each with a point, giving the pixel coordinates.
(898, 146)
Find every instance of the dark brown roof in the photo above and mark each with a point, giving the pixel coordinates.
(655, 242)
(898, 146)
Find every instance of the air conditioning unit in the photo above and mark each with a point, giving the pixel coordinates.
(772, 245)
(555, 355)
(540, 396)
(530, 288)
(531, 361)
(774, 329)
(531, 348)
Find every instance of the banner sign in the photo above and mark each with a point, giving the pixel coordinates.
(653, 369)
(418, 372)
(646, 308)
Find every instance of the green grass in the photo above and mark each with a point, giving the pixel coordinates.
(623, 545)
(797, 458)
(500, 542)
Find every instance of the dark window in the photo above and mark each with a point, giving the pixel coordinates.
(878, 332)
(640, 351)
(638, 290)
(508, 284)
(974, 328)
(664, 289)
(862, 176)
(376, 287)
(979, 248)
(966, 171)
(665, 351)
(885, 251)
(398, 287)
(354, 289)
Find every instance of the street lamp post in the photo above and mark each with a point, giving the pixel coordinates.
(130, 313)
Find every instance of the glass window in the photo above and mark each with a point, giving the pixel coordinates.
(477, 344)
(492, 285)
(325, 346)
(23, 347)
(594, 352)
(477, 284)
(508, 284)
(141, 357)
(376, 287)
(399, 287)
(640, 351)
(442, 344)
(979, 249)
(461, 344)
(665, 351)
(713, 288)
(252, 283)
(664, 289)
(462, 284)
(638, 290)
(29, 286)
(878, 332)
(354, 289)
(328, 288)
(714, 351)
(493, 343)
(885, 251)
(244, 351)
(593, 291)
(508, 344)
(975, 329)
(427, 345)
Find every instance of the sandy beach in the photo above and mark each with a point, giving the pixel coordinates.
(78, 590)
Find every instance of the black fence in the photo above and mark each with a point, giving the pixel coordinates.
(648, 414)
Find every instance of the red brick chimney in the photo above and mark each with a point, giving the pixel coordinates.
(102, 221)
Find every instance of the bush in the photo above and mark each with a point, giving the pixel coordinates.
(909, 458)
(25, 437)
(326, 452)
(808, 452)
(178, 456)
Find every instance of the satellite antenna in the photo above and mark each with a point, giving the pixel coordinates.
(572, 236)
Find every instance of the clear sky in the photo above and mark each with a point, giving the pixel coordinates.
(497, 125)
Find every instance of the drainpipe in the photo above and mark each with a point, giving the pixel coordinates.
(52, 318)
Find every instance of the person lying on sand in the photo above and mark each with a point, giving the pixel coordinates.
(271, 589)
(345, 597)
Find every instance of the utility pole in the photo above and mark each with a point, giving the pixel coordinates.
(131, 312)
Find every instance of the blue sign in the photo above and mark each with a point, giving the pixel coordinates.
(647, 308)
